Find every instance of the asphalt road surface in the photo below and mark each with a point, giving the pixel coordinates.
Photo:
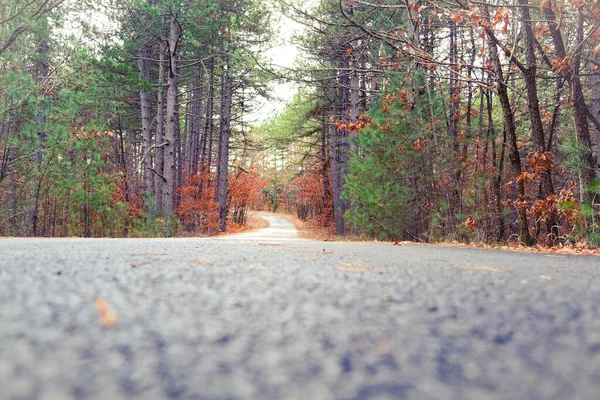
(253, 318)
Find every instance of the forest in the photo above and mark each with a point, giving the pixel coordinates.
(455, 120)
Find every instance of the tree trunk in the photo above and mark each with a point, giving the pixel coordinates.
(224, 135)
(159, 165)
(533, 105)
(325, 164)
(172, 119)
(195, 128)
(595, 83)
(453, 118)
(511, 137)
(207, 145)
(336, 98)
(144, 73)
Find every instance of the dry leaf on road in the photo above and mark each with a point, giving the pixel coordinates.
(107, 318)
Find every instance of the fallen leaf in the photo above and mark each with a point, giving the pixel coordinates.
(352, 264)
(481, 268)
(107, 318)
(141, 263)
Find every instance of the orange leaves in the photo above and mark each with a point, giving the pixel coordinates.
(416, 8)
(547, 116)
(245, 189)
(520, 204)
(541, 161)
(88, 134)
(308, 191)
(501, 17)
(545, 208)
(470, 223)
(309, 187)
(107, 318)
(541, 30)
(475, 16)
(198, 211)
(525, 177)
(362, 122)
(457, 17)
(563, 64)
(417, 145)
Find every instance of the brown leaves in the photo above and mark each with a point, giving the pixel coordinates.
(563, 65)
(457, 17)
(501, 17)
(107, 318)
(82, 133)
(469, 223)
(198, 211)
(541, 161)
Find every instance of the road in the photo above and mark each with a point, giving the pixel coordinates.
(247, 318)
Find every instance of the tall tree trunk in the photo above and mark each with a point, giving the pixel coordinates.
(511, 136)
(172, 119)
(224, 135)
(144, 73)
(453, 118)
(159, 165)
(207, 145)
(337, 95)
(196, 128)
(325, 166)
(533, 104)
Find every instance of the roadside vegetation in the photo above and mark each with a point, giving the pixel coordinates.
(428, 121)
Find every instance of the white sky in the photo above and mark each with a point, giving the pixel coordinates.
(284, 54)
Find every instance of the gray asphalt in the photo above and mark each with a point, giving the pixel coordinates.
(274, 319)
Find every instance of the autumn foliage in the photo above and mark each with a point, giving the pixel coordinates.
(311, 201)
(245, 191)
(198, 210)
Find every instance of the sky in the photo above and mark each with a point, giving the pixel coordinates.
(283, 54)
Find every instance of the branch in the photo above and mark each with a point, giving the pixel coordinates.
(153, 170)
(156, 146)
(16, 33)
